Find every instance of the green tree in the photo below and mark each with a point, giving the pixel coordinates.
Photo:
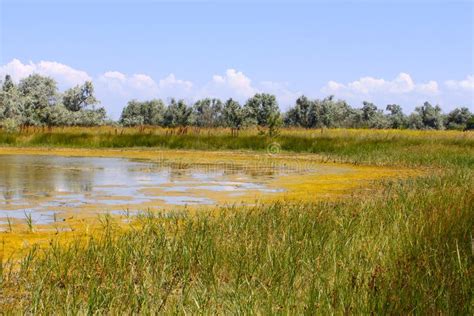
(372, 117)
(41, 91)
(369, 110)
(8, 84)
(430, 116)
(79, 97)
(143, 113)
(302, 114)
(415, 121)
(262, 108)
(89, 117)
(208, 113)
(178, 114)
(11, 102)
(470, 124)
(457, 118)
(233, 115)
(396, 117)
(324, 110)
(37, 93)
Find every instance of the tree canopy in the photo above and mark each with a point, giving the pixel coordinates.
(36, 101)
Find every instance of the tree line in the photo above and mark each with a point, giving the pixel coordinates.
(36, 101)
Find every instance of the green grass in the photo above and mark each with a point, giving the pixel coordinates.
(406, 249)
(360, 146)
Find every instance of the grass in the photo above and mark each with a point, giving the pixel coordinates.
(364, 146)
(408, 249)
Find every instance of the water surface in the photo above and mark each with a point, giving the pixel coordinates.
(43, 188)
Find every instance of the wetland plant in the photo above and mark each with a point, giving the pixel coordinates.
(9, 223)
(29, 221)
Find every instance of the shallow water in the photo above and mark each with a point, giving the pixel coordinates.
(44, 188)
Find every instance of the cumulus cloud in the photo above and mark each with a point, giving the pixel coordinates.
(429, 88)
(115, 88)
(143, 85)
(233, 84)
(170, 86)
(466, 84)
(402, 84)
(65, 75)
(404, 90)
(118, 82)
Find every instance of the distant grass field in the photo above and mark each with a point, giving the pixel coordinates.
(358, 146)
(408, 249)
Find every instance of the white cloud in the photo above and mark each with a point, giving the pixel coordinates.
(65, 75)
(429, 88)
(171, 81)
(115, 88)
(114, 75)
(143, 82)
(466, 84)
(334, 86)
(17, 70)
(134, 86)
(234, 83)
(402, 84)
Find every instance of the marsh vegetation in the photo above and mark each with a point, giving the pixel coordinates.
(405, 247)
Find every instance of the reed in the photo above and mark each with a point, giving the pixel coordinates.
(361, 146)
(406, 249)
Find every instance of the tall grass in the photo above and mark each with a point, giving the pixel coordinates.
(407, 250)
(367, 146)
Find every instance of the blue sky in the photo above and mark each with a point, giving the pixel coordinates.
(391, 52)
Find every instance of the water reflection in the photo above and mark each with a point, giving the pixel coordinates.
(45, 184)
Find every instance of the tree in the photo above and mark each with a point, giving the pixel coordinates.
(369, 110)
(262, 108)
(274, 124)
(324, 112)
(8, 84)
(301, 114)
(178, 114)
(11, 102)
(470, 124)
(431, 116)
(40, 91)
(94, 117)
(458, 118)
(415, 121)
(79, 97)
(233, 115)
(373, 117)
(208, 113)
(396, 118)
(143, 113)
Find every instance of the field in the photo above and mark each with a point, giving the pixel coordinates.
(405, 246)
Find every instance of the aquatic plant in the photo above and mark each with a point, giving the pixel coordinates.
(29, 221)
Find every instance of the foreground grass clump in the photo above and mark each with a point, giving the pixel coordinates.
(406, 250)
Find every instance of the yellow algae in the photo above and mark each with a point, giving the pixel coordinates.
(309, 180)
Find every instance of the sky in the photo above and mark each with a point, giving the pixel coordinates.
(403, 52)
